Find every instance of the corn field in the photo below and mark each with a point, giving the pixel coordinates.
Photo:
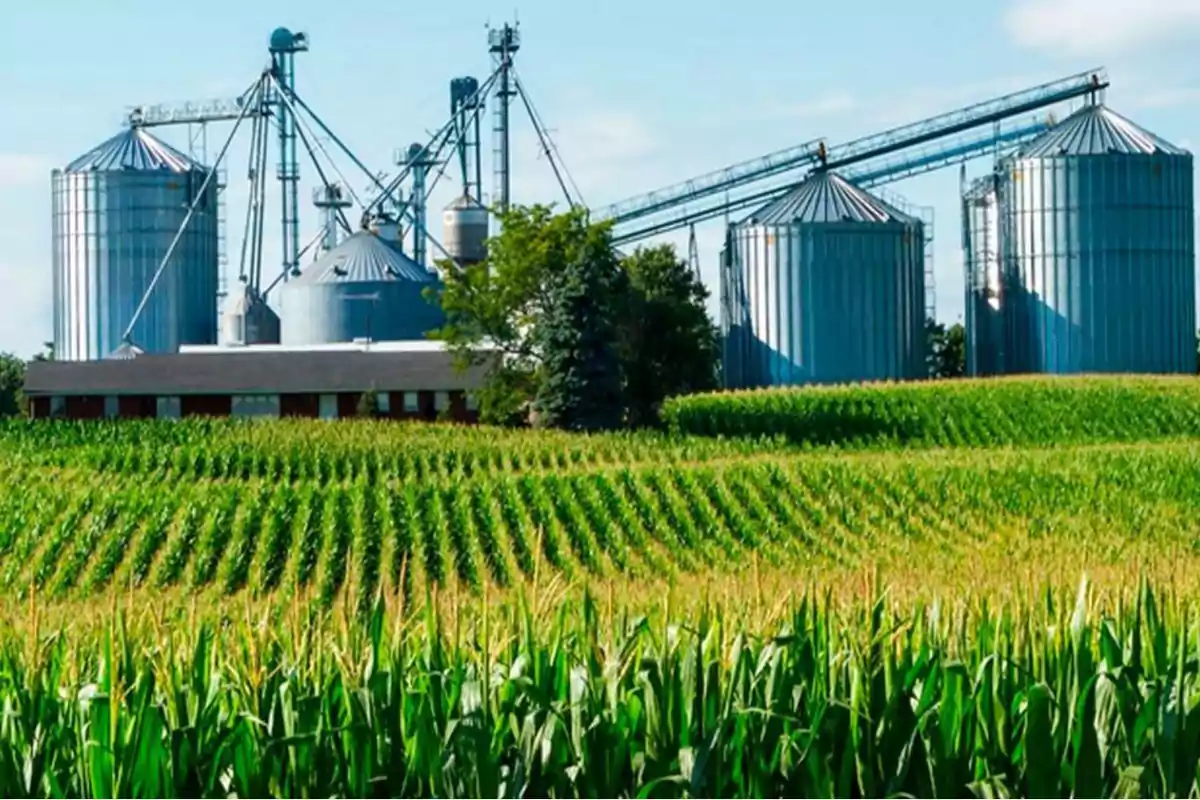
(1053, 696)
(73, 533)
(974, 413)
(835, 592)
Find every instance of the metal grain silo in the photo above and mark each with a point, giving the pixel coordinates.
(829, 285)
(116, 210)
(248, 320)
(981, 264)
(465, 230)
(1098, 250)
(734, 322)
(362, 289)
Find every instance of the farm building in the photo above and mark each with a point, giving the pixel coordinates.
(410, 381)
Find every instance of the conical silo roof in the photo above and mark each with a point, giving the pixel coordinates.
(1097, 130)
(133, 149)
(827, 197)
(360, 258)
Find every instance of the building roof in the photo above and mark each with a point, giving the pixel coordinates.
(362, 257)
(1097, 130)
(238, 371)
(827, 197)
(134, 149)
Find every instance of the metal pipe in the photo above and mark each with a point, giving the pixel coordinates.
(320, 173)
(396, 181)
(334, 137)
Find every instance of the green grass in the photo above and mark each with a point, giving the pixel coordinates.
(965, 413)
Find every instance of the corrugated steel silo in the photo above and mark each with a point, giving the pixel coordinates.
(981, 265)
(734, 322)
(115, 211)
(362, 289)
(1099, 250)
(248, 320)
(829, 282)
(465, 230)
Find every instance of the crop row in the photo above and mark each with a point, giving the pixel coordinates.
(70, 535)
(972, 413)
(306, 451)
(1050, 698)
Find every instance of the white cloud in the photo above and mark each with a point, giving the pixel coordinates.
(23, 169)
(1101, 27)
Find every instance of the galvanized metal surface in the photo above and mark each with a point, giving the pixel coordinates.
(827, 197)
(115, 211)
(981, 264)
(248, 320)
(1099, 252)
(465, 231)
(1097, 130)
(363, 288)
(825, 299)
(133, 148)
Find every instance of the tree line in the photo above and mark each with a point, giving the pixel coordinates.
(572, 333)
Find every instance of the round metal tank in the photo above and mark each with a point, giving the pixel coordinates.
(981, 265)
(465, 231)
(362, 289)
(1097, 223)
(734, 321)
(249, 320)
(116, 210)
(829, 282)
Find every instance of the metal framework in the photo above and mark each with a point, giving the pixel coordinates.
(503, 44)
(942, 140)
(459, 135)
(466, 108)
(284, 46)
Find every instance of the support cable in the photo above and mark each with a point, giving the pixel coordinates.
(548, 145)
(334, 138)
(256, 87)
(398, 179)
(325, 152)
(252, 178)
(308, 147)
(261, 208)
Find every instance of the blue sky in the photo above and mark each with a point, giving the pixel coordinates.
(637, 95)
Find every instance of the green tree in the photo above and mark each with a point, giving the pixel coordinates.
(947, 349)
(670, 346)
(493, 308)
(12, 383)
(581, 384)
(368, 404)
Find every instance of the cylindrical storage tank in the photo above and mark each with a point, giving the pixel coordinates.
(981, 266)
(735, 323)
(1099, 250)
(465, 231)
(362, 289)
(833, 281)
(116, 210)
(249, 320)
